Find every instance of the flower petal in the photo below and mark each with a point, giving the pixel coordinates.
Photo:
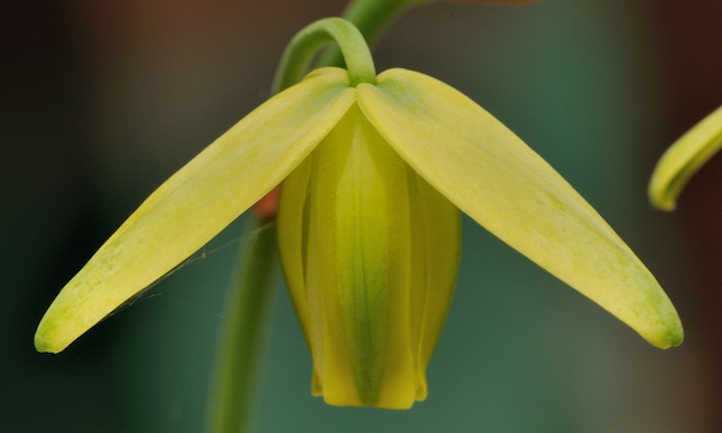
(370, 253)
(683, 159)
(435, 226)
(197, 202)
(489, 173)
(357, 269)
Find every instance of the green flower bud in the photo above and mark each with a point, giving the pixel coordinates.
(370, 252)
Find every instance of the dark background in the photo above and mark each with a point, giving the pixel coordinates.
(104, 100)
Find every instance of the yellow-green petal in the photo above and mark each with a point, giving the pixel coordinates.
(357, 269)
(197, 202)
(292, 227)
(435, 251)
(683, 159)
(493, 176)
(370, 253)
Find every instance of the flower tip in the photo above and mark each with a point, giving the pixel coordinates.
(54, 333)
(43, 344)
(675, 336)
(661, 196)
(672, 336)
(662, 202)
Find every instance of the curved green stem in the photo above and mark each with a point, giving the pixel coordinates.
(683, 159)
(371, 17)
(300, 51)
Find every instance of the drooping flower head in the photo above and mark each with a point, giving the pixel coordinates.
(374, 170)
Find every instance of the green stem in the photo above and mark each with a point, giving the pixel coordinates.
(303, 47)
(371, 17)
(243, 330)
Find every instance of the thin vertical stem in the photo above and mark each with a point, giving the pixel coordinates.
(241, 343)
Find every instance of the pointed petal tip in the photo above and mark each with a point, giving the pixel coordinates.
(673, 336)
(665, 331)
(53, 334)
(43, 343)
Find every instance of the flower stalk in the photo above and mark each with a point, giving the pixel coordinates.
(244, 329)
(371, 17)
(300, 52)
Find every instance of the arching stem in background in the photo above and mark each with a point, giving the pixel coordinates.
(683, 159)
(371, 17)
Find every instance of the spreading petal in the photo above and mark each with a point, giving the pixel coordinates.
(489, 173)
(197, 202)
(683, 159)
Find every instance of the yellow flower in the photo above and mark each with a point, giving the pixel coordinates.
(370, 253)
(374, 171)
(683, 159)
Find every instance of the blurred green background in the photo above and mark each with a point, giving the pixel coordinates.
(104, 100)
